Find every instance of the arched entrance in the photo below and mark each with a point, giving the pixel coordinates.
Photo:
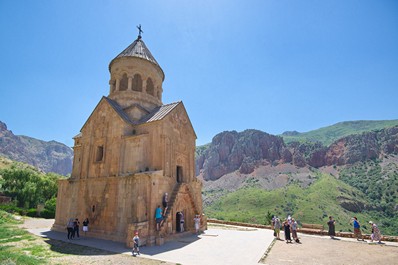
(180, 222)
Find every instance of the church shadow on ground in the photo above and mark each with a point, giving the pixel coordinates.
(170, 245)
(87, 246)
(71, 248)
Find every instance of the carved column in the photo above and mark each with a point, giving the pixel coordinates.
(117, 84)
(130, 84)
(144, 85)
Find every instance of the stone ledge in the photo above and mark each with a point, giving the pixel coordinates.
(303, 230)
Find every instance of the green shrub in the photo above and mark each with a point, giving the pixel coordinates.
(51, 204)
(32, 213)
(12, 208)
(47, 214)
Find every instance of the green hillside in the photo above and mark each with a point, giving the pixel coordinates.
(329, 134)
(308, 205)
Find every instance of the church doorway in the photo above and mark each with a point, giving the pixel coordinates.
(180, 222)
(179, 174)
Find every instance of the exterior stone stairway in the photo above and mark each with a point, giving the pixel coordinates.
(164, 230)
(172, 199)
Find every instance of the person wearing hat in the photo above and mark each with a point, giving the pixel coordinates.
(376, 235)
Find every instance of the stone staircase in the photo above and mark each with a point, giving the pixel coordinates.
(172, 199)
(164, 229)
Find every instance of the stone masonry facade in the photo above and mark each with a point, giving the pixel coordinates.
(129, 153)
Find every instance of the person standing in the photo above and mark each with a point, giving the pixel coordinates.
(376, 235)
(197, 223)
(294, 226)
(165, 202)
(273, 222)
(286, 227)
(357, 229)
(182, 222)
(277, 227)
(158, 217)
(136, 246)
(69, 227)
(85, 226)
(331, 223)
(76, 228)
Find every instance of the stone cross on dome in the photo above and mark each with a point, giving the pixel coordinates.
(139, 31)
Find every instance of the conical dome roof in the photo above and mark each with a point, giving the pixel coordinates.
(137, 49)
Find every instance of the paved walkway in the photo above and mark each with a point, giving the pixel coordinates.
(218, 245)
(224, 244)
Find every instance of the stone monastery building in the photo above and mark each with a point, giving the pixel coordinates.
(130, 152)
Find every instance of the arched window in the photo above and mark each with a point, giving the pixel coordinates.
(123, 83)
(149, 87)
(137, 83)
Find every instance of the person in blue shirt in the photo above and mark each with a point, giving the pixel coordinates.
(357, 229)
(158, 217)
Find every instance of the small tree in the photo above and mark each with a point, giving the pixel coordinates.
(268, 218)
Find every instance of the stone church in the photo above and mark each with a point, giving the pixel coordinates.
(130, 152)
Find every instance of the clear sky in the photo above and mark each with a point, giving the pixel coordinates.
(270, 65)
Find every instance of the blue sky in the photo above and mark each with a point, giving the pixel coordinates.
(268, 65)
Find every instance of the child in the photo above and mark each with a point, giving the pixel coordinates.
(85, 226)
(136, 247)
(197, 223)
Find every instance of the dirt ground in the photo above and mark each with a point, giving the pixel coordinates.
(325, 251)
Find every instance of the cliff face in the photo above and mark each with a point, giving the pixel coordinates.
(244, 151)
(230, 151)
(46, 156)
(365, 146)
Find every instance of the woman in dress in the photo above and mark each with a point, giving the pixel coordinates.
(357, 229)
(85, 226)
(376, 235)
(331, 223)
(286, 227)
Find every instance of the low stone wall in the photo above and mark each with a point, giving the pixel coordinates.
(303, 230)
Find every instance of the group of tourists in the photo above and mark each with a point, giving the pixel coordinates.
(289, 226)
(73, 227)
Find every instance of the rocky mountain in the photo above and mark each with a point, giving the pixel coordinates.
(232, 151)
(248, 174)
(49, 156)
